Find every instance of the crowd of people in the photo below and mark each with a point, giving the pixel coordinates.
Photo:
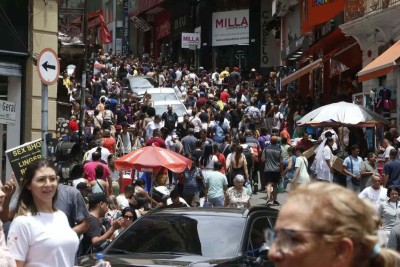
(241, 136)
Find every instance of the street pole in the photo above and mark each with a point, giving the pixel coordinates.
(83, 85)
(45, 114)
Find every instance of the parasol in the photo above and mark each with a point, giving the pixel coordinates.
(342, 114)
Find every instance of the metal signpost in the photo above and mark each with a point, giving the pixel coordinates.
(49, 70)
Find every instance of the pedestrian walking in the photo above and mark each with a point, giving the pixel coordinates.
(272, 157)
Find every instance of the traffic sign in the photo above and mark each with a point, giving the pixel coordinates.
(48, 66)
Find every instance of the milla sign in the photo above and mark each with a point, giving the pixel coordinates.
(230, 27)
(190, 39)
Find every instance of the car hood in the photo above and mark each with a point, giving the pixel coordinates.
(144, 259)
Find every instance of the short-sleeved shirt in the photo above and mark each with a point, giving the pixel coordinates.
(272, 155)
(302, 164)
(376, 197)
(90, 170)
(190, 185)
(392, 169)
(355, 162)
(215, 182)
(95, 230)
(44, 239)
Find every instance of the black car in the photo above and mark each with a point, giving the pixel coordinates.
(192, 237)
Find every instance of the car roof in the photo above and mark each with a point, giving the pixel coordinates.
(227, 212)
(160, 90)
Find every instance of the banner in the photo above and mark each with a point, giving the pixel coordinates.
(125, 28)
(163, 22)
(320, 11)
(230, 27)
(136, 7)
(189, 38)
(22, 156)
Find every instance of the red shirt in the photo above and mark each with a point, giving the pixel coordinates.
(224, 97)
(305, 144)
(221, 158)
(90, 170)
(109, 143)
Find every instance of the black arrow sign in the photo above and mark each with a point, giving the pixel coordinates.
(47, 66)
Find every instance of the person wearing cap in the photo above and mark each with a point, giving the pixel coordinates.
(272, 158)
(234, 77)
(96, 238)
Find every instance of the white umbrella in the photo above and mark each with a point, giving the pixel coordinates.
(342, 113)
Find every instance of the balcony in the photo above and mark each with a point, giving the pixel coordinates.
(354, 9)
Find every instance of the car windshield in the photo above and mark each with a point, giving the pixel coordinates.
(163, 96)
(179, 109)
(141, 83)
(209, 236)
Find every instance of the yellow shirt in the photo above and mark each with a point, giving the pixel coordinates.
(67, 83)
(224, 74)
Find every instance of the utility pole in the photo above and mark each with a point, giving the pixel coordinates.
(83, 85)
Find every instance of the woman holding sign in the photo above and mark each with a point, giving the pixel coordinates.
(40, 234)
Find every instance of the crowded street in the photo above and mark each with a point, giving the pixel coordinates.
(200, 133)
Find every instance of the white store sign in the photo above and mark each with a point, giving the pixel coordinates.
(230, 27)
(7, 112)
(189, 38)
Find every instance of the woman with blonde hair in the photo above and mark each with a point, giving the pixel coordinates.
(327, 225)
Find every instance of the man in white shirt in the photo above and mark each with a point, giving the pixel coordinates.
(156, 124)
(375, 193)
(126, 199)
(386, 145)
(178, 74)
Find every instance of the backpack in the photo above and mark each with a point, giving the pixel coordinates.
(249, 156)
(256, 153)
(220, 133)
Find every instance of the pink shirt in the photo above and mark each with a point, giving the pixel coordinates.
(90, 170)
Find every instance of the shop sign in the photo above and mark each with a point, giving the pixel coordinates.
(230, 27)
(269, 57)
(125, 27)
(140, 23)
(180, 23)
(190, 39)
(320, 11)
(136, 7)
(7, 112)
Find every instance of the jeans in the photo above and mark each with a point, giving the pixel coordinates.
(352, 187)
(216, 201)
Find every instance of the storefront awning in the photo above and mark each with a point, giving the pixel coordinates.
(382, 65)
(301, 72)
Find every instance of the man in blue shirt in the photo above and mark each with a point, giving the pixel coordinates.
(351, 167)
(391, 170)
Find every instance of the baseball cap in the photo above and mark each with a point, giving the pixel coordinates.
(253, 69)
(82, 186)
(118, 127)
(96, 198)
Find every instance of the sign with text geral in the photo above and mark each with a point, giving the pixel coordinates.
(7, 112)
(189, 38)
(230, 27)
(22, 156)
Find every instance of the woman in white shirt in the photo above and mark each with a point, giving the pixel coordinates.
(388, 211)
(40, 234)
(301, 174)
(323, 160)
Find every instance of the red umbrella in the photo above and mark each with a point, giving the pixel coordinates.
(152, 159)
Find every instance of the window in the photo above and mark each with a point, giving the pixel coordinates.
(257, 234)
